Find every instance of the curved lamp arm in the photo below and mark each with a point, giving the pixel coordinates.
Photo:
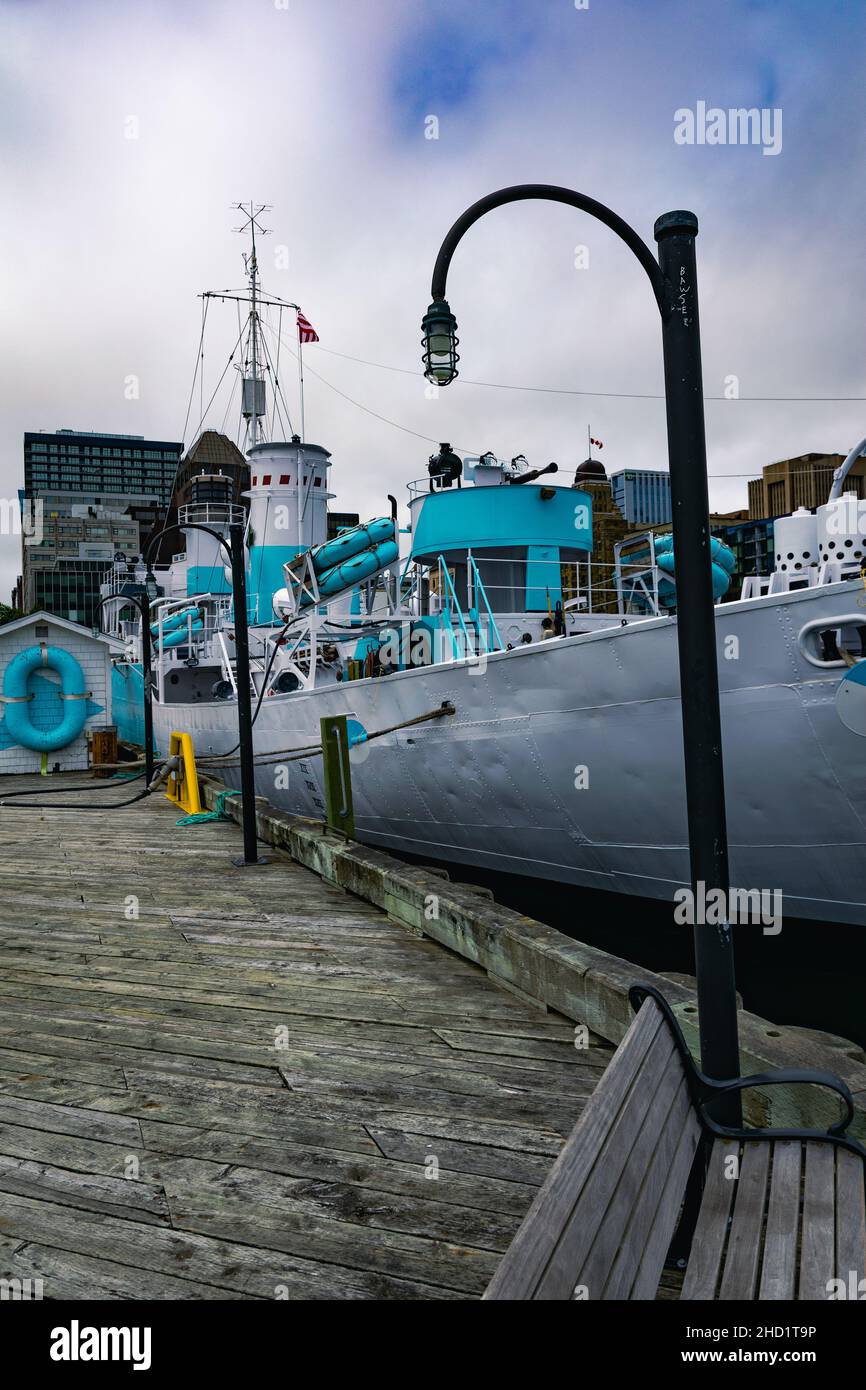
(552, 193)
(844, 469)
(187, 526)
(141, 605)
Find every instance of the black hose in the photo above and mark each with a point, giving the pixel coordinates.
(62, 791)
(77, 805)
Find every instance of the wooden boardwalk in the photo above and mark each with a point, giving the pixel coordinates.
(256, 1087)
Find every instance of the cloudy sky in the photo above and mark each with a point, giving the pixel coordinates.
(321, 108)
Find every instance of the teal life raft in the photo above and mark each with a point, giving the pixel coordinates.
(17, 698)
(722, 563)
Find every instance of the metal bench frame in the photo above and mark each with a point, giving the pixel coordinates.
(704, 1089)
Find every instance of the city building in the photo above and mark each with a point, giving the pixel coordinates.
(608, 526)
(95, 463)
(76, 542)
(752, 541)
(89, 497)
(804, 481)
(642, 495)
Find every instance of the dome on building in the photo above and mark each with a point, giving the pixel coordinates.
(591, 468)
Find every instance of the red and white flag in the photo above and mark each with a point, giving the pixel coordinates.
(306, 331)
(597, 442)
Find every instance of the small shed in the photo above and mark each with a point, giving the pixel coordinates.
(55, 685)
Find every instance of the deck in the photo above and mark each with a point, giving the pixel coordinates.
(256, 1087)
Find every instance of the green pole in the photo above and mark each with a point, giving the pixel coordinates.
(338, 775)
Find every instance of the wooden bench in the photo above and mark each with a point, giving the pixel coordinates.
(757, 1214)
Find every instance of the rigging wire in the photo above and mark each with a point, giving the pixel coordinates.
(428, 438)
(229, 403)
(466, 450)
(199, 358)
(277, 389)
(218, 385)
(567, 391)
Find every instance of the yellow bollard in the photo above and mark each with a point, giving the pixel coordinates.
(182, 786)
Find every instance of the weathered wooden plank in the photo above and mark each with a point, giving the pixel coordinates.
(470, 1156)
(742, 1258)
(601, 1169)
(65, 1275)
(274, 1226)
(818, 1237)
(779, 1265)
(247, 1269)
(71, 1049)
(70, 1119)
(850, 1220)
(705, 1261)
(651, 1202)
(140, 1201)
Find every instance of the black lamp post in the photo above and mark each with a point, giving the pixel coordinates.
(674, 284)
(234, 548)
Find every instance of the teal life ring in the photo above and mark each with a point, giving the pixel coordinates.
(16, 698)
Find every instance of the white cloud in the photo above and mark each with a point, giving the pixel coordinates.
(107, 240)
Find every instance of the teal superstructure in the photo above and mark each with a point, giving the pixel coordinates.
(479, 518)
(127, 702)
(530, 527)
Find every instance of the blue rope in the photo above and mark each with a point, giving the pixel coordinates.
(218, 813)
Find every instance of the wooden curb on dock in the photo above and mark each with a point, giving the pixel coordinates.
(547, 968)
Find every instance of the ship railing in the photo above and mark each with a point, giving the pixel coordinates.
(450, 607)
(214, 611)
(121, 580)
(566, 478)
(479, 638)
(217, 514)
(496, 585)
(478, 591)
(636, 575)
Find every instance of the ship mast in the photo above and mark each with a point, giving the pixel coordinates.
(253, 369)
(253, 385)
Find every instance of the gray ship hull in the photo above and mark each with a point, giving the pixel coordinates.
(564, 759)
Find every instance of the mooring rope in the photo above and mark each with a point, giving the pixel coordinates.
(290, 755)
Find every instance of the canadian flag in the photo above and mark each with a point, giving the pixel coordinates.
(306, 331)
(597, 442)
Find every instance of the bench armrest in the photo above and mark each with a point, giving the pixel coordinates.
(704, 1089)
(784, 1076)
